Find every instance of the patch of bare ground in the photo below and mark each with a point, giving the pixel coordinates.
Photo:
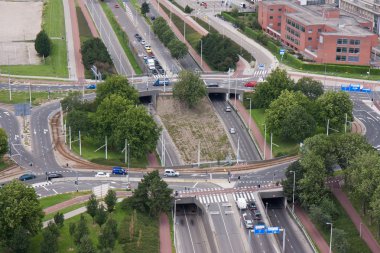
(189, 127)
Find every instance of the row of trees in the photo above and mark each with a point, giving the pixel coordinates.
(321, 154)
(177, 48)
(3, 142)
(114, 113)
(218, 51)
(295, 109)
(189, 88)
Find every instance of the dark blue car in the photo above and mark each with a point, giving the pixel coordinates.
(91, 86)
(27, 177)
(119, 171)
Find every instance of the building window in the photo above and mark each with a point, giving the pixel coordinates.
(342, 41)
(341, 49)
(353, 58)
(280, 9)
(340, 58)
(310, 39)
(319, 30)
(271, 17)
(279, 24)
(354, 42)
(354, 50)
(271, 9)
(310, 30)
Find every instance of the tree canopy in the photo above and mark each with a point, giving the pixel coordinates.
(116, 85)
(189, 88)
(94, 52)
(3, 142)
(20, 211)
(43, 44)
(309, 87)
(145, 8)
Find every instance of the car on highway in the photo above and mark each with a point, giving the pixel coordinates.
(148, 50)
(102, 174)
(210, 85)
(152, 18)
(171, 173)
(161, 71)
(54, 175)
(119, 171)
(117, 6)
(27, 176)
(252, 206)
(232, 130)
(250, 84)
(256, 215)
(247, 221)
(142, 42)
(228, 108)
(204, 4)
(154, 72)
(91, 86)
(138, 37)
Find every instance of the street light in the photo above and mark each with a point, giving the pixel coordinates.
(249, 120)
(329, 223)
(294, 186)
(175, 220)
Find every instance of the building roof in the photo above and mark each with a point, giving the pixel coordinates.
(307, 15)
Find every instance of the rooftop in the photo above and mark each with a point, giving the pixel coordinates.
(346, 24)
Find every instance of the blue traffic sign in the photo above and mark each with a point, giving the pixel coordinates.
(344, 87)
(366, 90)
(259, 229)
(282, 51)
(261, 66)
(273, 230)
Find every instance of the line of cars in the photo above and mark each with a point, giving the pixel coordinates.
(251, 212)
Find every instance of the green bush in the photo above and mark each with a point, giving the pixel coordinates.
(42, 44)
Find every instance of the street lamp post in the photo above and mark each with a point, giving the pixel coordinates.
(331, 229)
(360, 229)
(294, 186)
(201, 54)
(249, 120)
(175, 220)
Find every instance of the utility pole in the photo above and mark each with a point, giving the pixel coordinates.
(199, 154)
(106, 149)
(328, 125)
(10, 89)
(30, 95)
(271, 145)
(65, 132)
(238, 151)
(80, 145)
(345, 125)
(70, 136)
(129, 151)
(265, 140)
(125, 151)
(283, 241)
(201, 53)
(229, 85)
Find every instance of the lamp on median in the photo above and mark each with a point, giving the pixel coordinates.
(294, 186)
(329, 223)
(174, 220)
(249, 120)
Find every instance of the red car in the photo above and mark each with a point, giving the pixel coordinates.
(251, 84)
(117, 6)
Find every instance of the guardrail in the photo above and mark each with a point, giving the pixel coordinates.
(299, 223)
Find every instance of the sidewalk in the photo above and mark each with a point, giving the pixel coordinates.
(312, 230)
(355, 218)
(165, 239)
(254, 130)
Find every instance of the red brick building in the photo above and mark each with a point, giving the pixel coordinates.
(319, 32)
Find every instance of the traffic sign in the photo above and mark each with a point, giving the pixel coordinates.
(273, 230)
(261, 66)
(259, 229)
(282, 51)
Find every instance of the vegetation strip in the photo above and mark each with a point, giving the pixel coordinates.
(122, 37)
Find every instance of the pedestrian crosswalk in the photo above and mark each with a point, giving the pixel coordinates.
(260, 73)
(159, 76)
(223, 198)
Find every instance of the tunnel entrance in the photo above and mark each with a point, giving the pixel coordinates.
(146, 99)
(273, 203)
(217, 96)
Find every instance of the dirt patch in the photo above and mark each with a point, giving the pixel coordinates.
(188, 128)
(20, 23)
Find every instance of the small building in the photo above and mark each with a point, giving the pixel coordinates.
(322, 33)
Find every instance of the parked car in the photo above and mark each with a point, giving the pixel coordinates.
(137, 35)
(232, 130)
(53, 175)
(91, 86)
(27, 176)
(171, 173)
(119, 171)
(102, 174)
(251, 84)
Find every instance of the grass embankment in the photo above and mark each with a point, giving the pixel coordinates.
(343, 222)
(122, 37)
(115, 158)
(64, 210)
(59, 198)
(4, 165)
(284, 147)
(38, 97)
(84, 29)
(348, 71)
(149, 227)
(56, 64)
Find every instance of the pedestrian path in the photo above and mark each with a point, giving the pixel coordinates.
(260, 73)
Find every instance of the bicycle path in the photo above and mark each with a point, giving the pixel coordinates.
(165, 239)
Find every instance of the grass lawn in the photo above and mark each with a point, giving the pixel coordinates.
(122, 37)
(3, 165)
(373, 227)
(285, 147)
(356, 244)
(149, 227)
(38, 97)
(115, 158)
(56, 64)
(64, 210)
(190, 34)
(84, 29)
(59, 198)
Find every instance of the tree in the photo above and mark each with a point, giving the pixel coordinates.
(73, 101)
(118, 85)
(94, 52)
(3, 142)
(101, 215)
(92, 206)
(86, 245)
(266, 92)
(108, 236)
(375, 208)
(81, 230)
(189, 88)
(340, 243)
(152, 195)
(310, 87)
(110, 200)
(79, 120)
(287, 117)
(145, 8)
(318, 215)
(20, 235)
(288, 182)
(333, 107)
(188, 9)
(50, 235)
(72, 229)
(59, 219)
(43, 44)
(323, 146)
(19, 208)
(177, 48)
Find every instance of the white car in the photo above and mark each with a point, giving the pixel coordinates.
(147, 47)
(228, 108)
(102, 174)
(143, 42)
(232, 130)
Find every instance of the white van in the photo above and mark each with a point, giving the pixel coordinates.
(171, 173)
(241, 203)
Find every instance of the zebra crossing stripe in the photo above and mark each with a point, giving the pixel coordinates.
(217, 197)
(234, 197)
(207, 200)
(225, 198)
(253, 197)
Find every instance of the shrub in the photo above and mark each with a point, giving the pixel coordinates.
(43, 44)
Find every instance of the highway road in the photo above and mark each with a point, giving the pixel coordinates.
(241, 139)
